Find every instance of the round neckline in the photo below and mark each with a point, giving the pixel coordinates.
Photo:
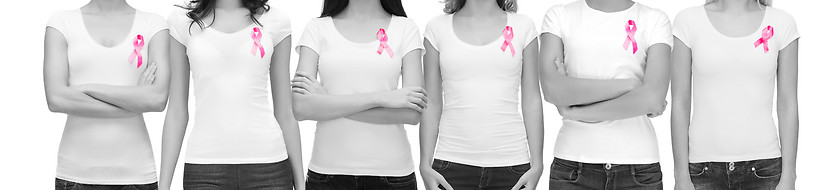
(127, 37)
(345, 39)
(586, 4)
(455, 35)
(249, 26)
(756, 31)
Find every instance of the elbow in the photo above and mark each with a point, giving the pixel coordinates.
(158, 103)
(300, 111)
(414, 118)
(53, 104)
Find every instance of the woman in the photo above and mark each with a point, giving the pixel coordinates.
(480, 127)
(734, 51)
(360, 48)
(105, 64)
(594, 55)
(239, 140)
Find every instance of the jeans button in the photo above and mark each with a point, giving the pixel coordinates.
(731, 166)
(608, 166)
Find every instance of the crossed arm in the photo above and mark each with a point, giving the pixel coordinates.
(402, 106)
(100, 100)
(602, 100)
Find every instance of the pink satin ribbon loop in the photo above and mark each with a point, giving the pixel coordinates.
(508, 35)
(256, 35)
(137, 53)
(630, 28)
(766, 33)
(383, 43)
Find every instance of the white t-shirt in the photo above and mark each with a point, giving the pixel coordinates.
(105, 150)
(481, 124)
(594, 48)
(234, 121)
(349, 147)
(733, 84)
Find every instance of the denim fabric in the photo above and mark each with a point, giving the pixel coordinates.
(61, 184)
(269, 176)
(571, 175)
(753, 174)
(319, 181)
(462, 176)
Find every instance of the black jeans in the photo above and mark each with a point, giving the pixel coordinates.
(753, 174)
(274, 176)
(462, 176)
(567, 174)
(319, 181)
(61, 184)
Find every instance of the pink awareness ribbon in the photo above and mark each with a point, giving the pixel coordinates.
(630, 28)
(765, 35)
(383, 43)
(508, 35)
(257, 36)
(138, 47)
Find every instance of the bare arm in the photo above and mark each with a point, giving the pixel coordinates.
(434, 108)
(532, 114)
(322, 106)
(141, 98)
(680, 110)
(177, 116)
(649, 98)
(282, 98)
(788, 111)
(61, 98)
(562, 90)
(412, 76)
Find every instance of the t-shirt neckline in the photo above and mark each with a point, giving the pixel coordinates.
(587, 7)
(125, 39)
(455, 35)
(716, 31)
(341, 36)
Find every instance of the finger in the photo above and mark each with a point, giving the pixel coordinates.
(419, 102)
(301, 85)
(305, 75)
(520, 184)
(415, 107)
(154, 69)
(445, 184)
(299, 79)
(300, 91)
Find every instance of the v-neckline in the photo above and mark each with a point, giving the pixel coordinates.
(124, 39)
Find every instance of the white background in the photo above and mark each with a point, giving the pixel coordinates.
(30, 134)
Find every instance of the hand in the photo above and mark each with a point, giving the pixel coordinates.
(561, 67)
(147, 77)
(433, 179)
(683, 185)
(785, 184)
(305, 83)
(661, 110)
(529, 179)
(410, 97)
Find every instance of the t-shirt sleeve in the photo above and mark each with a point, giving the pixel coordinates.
(551, 21)
(530, 32)
(430, 33)
(681, 28)
(411, 34)
(58, 21)
(179, 26)
(789, 32)
(279, 27)
(310, 37)
(660, 30)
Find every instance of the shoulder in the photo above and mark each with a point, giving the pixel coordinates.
(437, 20)
(521, 19)
(404, 21)
(151, 17)
(651, 13)
(778, 15)
(275, 16)
(178, 16)
(62, 15)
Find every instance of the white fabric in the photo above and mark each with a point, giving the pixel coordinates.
(593, 43)
(234, 121)
(344, 146)
(733, 87)
(105, 150)
(481, 124)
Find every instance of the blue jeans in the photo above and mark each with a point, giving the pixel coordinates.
(566, 174)
(462, 176)
(319, 181)
(61, 184)
(753, 174)
(274, 176)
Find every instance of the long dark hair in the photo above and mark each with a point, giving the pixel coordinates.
(199, 9)
(333, 7)
(453, 6)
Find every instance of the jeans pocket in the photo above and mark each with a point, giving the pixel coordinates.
(440, 165)
(317, 177)
(647, 174)
(399, 180)
(769, 168)
(697, 169)
(519, 169)
(562, 172)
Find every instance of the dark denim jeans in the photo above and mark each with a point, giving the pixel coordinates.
(274, 176)
(753, 174)
(319, 181)
(462, 176)
(61, 184)
(573, 175)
